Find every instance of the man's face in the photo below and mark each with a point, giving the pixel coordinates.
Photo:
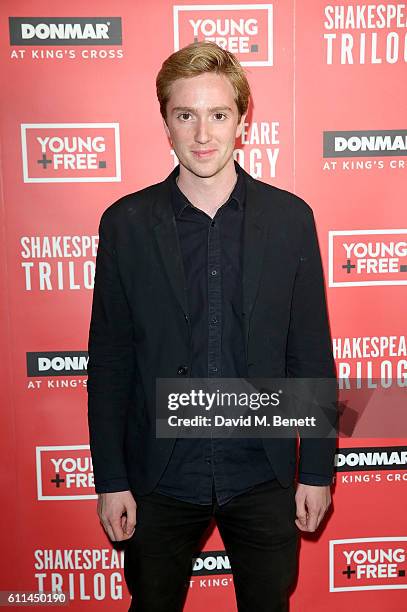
(203, 123)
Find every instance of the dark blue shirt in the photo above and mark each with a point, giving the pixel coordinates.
(212, 258)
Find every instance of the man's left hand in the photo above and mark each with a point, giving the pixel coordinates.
(312, 503)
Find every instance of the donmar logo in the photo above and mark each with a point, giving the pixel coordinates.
(370, 143)
(70, 152)
(363, 564)
(211, 562)
(371, 458)
(64, 472)
(57, 363)
(367, 257)
(243, 29)
(56, 31)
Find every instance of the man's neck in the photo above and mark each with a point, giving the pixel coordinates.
(208, 194)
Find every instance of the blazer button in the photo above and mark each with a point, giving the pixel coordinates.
(182, 370)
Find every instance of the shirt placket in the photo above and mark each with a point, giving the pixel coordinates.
(215, 331)
(214, 301)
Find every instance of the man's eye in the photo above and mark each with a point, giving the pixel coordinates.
(220, 116)
(184, 116)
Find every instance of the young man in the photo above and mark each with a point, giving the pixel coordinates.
(207, 274)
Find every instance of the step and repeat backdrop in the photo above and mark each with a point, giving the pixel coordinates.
(81, 127)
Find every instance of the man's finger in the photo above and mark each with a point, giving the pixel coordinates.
(322, 513)
(312, 522)
(127, 525)
(116, 526)
(320, 517)
(107, 527)
(131, 518)
(300, 525)
(301, 513)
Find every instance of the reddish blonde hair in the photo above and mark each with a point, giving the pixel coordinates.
(195, 59)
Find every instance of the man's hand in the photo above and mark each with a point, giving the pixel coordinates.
(312, 503)
(117, 513)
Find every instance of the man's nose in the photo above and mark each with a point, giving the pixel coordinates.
(202, 131)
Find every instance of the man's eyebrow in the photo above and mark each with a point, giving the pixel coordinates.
(215, 109)
(189, 109)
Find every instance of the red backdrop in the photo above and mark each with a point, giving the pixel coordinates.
(81, 127)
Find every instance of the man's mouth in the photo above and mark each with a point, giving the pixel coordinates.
(203, 153)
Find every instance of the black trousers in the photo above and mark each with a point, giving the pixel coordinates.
(257, 529)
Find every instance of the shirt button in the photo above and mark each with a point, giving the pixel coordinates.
(214, 320)
(182, 370)
(214, 272)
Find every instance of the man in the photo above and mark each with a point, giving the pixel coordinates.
(207, 274)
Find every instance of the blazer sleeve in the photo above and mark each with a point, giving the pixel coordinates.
(110, 367)
(309, 353)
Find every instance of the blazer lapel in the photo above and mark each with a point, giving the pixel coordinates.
(166, 235)
(255, 231)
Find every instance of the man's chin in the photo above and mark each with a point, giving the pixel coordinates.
(205, 169)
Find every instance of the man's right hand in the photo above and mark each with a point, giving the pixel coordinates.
(117, 513)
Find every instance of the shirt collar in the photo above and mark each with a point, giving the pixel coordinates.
(180, 201)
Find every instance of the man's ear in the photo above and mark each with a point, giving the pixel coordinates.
(239, 128)
(167, 131)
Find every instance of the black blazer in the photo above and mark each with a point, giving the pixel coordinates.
(139, 327)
